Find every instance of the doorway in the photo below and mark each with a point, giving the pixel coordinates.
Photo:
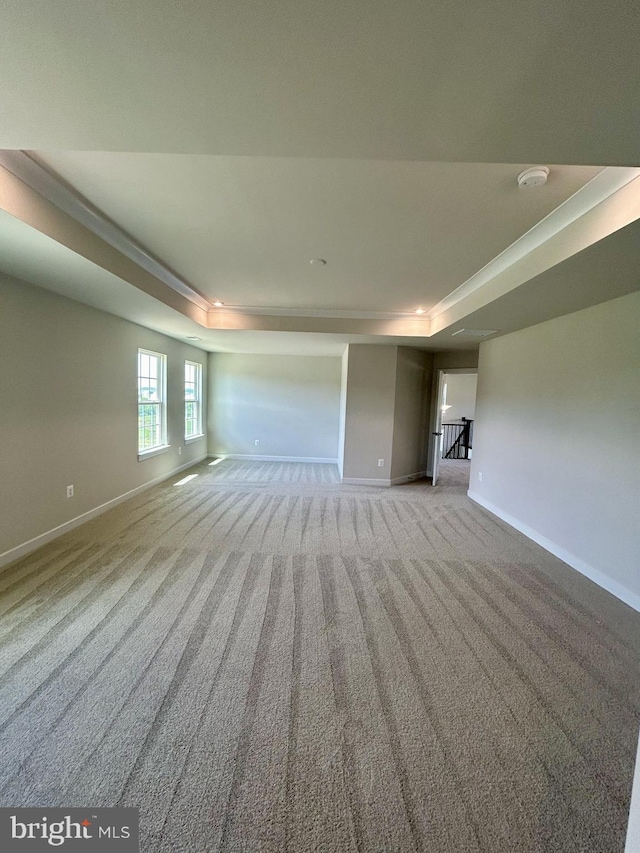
(454, 422)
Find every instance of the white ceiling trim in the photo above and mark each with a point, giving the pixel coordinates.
(605, 184)
(29, 170)
(336, 314)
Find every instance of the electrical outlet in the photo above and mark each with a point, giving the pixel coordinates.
(380, 463)
(479, 476)
(180, 450)
(257, 442)
(69, 491)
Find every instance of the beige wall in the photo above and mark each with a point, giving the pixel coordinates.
(344, 373)
(411, 412)
(370, 401)
(454, 360)
(386, 396)
(461, 396)
(68, 411)
(291, 404)
(557, 437)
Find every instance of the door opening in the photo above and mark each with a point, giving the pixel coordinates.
(453, 429)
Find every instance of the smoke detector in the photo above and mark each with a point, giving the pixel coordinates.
(535, 177)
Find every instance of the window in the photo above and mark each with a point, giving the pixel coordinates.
(192, 399)
(152, 410)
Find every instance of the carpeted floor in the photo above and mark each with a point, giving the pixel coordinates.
(261, 659)
(454, 472)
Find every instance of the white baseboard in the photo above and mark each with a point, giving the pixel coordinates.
(38, 541)
(255, 458)
(408, 478)
(359, 481)
(397, 481)
(567, 557)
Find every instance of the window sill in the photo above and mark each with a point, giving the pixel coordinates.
(193, 438)
(155, 451)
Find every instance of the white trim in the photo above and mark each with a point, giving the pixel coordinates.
(318, 459)
(360, 481)
(197, 365)
(27, 168)
(633, 827)
(161, 379)
(38, 541)
(193, 438)
(330, 313)
(605, 184)
(595, 575)
(153, 451)
(408, 478)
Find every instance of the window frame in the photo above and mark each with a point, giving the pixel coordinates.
(197, 400)
(160, 422)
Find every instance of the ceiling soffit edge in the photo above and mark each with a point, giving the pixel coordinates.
(604, 185)
(24, 166)
(336, 313)
(611, 214)
(21, 201)
(410, 327)
(480, 286)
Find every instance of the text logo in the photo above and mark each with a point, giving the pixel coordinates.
(71, 829)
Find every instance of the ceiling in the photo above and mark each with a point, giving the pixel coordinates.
(396, 236)
(500, 81)
(230, 143)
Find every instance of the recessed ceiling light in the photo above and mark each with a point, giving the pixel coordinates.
(218, 304)
(193, 338)
(535, 177)
(318, 262)
(419, 310)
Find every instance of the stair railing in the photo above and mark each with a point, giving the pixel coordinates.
(457, 440)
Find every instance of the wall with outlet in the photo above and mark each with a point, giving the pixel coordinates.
(556, 438)
(368, 423)
(68, 416)
(274, 406)
(386, 392)
(387, 410)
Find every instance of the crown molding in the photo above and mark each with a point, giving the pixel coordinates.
(605, 184)
(335, 314)
(25, 166)
(28, 169)
(401, 326)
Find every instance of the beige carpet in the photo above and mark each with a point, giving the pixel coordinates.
(264, 660)
(454, 472)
